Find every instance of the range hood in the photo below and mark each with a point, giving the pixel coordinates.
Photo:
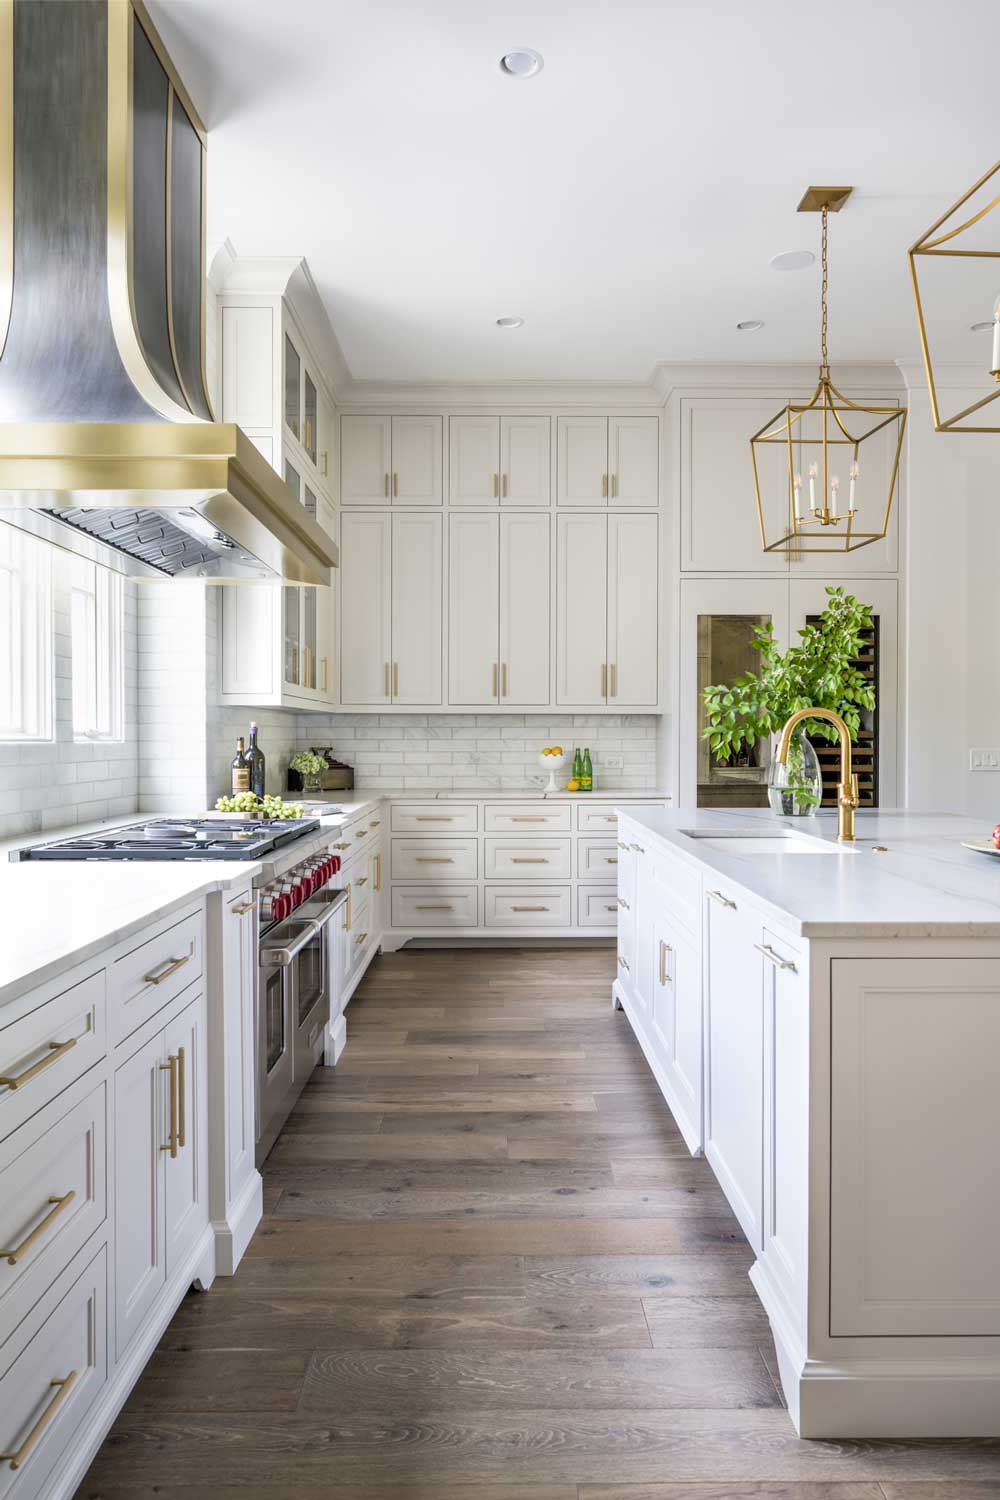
(108, 446)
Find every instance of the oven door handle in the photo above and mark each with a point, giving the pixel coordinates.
(282, 957)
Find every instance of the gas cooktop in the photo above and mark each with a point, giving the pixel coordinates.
(179, 838)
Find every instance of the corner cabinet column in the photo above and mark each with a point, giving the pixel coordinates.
(366, 607)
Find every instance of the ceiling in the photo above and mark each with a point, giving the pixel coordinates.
(625, 202)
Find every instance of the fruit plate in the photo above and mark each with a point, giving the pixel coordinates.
(982, 846)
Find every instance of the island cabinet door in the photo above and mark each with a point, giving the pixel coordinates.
(734, 1030)
(915, 1122)
(628, 968)
(786, 1120)
(141, 1120)
(675, 1023)
(185, 1164)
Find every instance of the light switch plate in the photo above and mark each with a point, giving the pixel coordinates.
(613, 762)
(984, 760)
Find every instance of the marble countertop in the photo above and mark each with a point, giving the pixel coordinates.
(353, 802)
(924, 884)
(59, 915)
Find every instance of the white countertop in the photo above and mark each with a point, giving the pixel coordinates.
(58, 915)
(925, 885)
(359, 799)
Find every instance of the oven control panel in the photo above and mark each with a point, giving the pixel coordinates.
(303, 881)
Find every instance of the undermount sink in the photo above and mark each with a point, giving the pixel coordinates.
(740, 842)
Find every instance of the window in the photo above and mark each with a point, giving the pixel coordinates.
(25, 636)
(96, 625)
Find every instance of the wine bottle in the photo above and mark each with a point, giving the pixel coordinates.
(257, 764)
(241, 769)
(587, 773)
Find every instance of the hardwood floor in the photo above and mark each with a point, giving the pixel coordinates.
(490, 1270)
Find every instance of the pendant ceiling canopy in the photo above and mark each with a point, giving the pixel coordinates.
(848, 451)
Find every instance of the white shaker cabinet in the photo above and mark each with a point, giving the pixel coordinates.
(634, 461)
(391, 617)
(474, 609)
(499, 460)
(607, 613)
(186, 1171)
(608, 460)
(719, 527)
(140, 1233)
(474, 460)
(525, 468)
(394, 460)
(582, 460)
(499, 617)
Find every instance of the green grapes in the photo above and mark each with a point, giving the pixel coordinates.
(251, 806)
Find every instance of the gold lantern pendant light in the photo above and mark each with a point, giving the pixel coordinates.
(846, 500)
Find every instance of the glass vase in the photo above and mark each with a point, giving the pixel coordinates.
(795, 788)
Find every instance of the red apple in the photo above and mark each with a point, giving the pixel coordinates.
(996, 837)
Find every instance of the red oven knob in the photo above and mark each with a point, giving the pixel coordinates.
(282, 908)
(334, 862)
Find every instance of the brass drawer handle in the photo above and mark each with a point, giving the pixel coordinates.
(433, 859)
(434, 818)
(532, 859)
(342, 846)
(172, 965)
(174, 1140)
(435, 908)
(242, 909)
(13, 1256)
(65, 1385)
(529, 908)
(529, 817)
(56, 1050)
(774, 958)
(723, 900)
(623, 963)
(375, 823)
(665, 948)
(611, 859)
(612, 906)
(361, 880)
(378, 872)
(361, 938)
(347, 910)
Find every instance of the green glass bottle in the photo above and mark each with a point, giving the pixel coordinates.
(587, 774)
(577, 765)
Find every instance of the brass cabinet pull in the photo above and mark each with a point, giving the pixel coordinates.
(435, 908)
(665, 948)
(18, 1455)
(614, 681)
(361, 880)
(347, 911)
(306, 666)
(620, 902)
(610, 817)
(611, 906)
(387, 486)
(614, 485)
(242, 909)
(493, 681)
(172, 965)
(395, 678)
(395, 484)
(611, 859)
(503, 680)
(375, 823)
(604, 680)
(360, 938)
(182, 1105)
(604, 486)
(775, 958)
(378, 872)
(325, 685)
(723, 900)
(386, 680)
(434, 859)
(623, 963)
(496, 485)
(326, 463)
(526, 859)
(170, 1066)
(56, 1050)
(435, 818)
(528, 817)
(529, 908)
(14, 1255)
(341, 846)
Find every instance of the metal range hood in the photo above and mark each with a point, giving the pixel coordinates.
(108, 446)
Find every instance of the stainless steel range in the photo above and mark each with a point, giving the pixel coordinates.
(295, 896)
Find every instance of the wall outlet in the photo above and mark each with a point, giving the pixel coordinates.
(613, 762)
(984, 760)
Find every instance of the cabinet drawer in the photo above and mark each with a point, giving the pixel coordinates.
(154, 972)
(48, 1048)
(527, 817)
(596, 818)
(435, 906)
(435, 859)
(53, 1382)
(528, 859)
(357, 836)
(435, 817)
(531, 906)
(677, 889)
(596, 858)
(53, 1195)
(597, 906)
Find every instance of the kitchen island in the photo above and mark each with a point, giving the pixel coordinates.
(824, 1022)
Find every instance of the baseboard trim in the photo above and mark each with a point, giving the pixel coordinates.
(336, 1041)
(234, 1233)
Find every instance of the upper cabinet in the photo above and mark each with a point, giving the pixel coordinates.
(388, 460)
(608, 461)
(499, 615)
(607, 611)
(499, 460)
(391, 609)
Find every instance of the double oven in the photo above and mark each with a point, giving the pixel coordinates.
(296, 974)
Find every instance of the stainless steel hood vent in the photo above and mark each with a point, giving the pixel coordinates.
(107, 440)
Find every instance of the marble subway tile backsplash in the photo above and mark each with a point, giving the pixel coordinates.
(453, 751)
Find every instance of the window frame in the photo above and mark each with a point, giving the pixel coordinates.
(29, 631)
(97, 652)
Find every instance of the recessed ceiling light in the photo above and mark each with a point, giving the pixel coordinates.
(521, 62)
(510, 322)
(793, 260)
(750, 325)
(981, 327)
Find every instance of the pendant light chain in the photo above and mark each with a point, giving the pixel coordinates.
(824, 355)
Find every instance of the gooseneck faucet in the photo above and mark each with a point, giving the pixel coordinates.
(847, 792)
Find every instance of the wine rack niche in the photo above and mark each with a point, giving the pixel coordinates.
(865, 748)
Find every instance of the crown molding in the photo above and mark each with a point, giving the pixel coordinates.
(474, 396)
(964, 377)
(778, 378)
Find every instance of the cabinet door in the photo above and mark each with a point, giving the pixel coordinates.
(416, 608)
(365, 607)
(233, 1126)
(719, 527)
(582, 460)
(525, 466)
(310, 417)
(525, 569)
(365, 459)
(675, 1022)
(629, 853)
(786, 1118)
(247, 367)
(633, 589)
(474, 460)
(417, 460)
(186, 1170)
(141, 1105)
(734, 1139)
(581, 609)
(634, 460)
(251, 639)
(474, 612)
(293, 389)
(326, 439)
(326, 615)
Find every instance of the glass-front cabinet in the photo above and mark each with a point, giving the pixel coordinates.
(293, 389)
(308, 418)
(310, 414)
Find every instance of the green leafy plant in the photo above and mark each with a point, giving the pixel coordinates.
(307, 763)
(818, 672)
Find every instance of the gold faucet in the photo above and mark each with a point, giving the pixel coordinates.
(847, 792)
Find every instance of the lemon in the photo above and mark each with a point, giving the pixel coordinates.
(572, 785)
(557, 750)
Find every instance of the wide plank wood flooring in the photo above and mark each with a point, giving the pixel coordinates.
(490, 1270)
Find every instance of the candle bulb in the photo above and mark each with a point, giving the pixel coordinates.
(813, 471)
(995, 367)
(797, 491)
(853, 477)
(834, 488)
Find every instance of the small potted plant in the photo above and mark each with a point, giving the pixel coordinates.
(310, 767)
(818, 672)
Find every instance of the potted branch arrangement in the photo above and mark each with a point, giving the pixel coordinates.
(818, 672)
